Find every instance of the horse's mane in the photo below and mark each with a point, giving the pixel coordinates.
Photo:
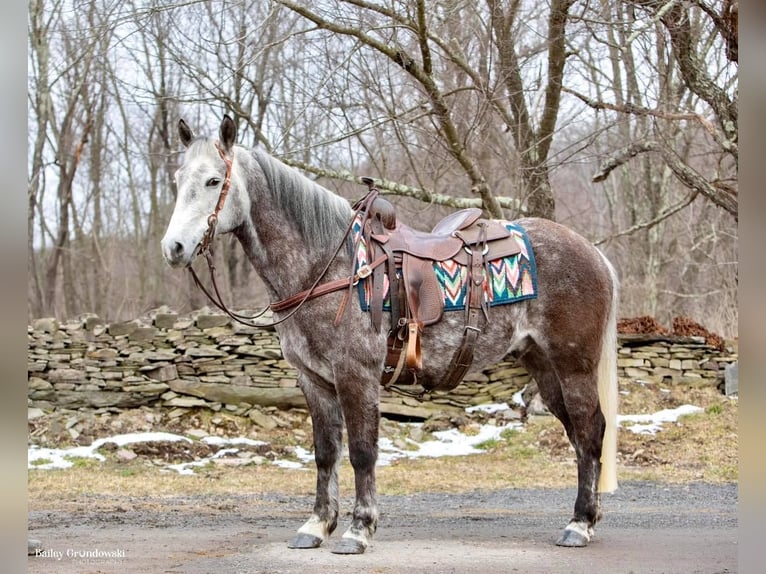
(320, 215)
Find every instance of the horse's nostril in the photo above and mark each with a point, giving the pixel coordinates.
(178, 249)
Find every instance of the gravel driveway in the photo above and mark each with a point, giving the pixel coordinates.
(647, 528)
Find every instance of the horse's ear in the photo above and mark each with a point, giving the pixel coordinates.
(227, 133)
(185, 132)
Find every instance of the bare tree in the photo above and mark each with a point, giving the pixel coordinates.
(495, 75)
(701, 50)
(510, 105)
(64, 112)
(660, 151)
(40, 105)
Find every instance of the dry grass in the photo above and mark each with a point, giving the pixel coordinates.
(698, 447)
(701, 446)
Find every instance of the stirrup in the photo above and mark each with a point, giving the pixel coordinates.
(413, 353)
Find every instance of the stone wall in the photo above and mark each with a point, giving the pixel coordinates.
(204, 360)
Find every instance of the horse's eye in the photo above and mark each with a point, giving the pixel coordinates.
(213, 182)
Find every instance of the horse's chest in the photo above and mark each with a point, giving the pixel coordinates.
(302, 352)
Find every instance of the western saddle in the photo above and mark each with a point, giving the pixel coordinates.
(415, 294)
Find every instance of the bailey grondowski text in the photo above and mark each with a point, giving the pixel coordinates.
(90, 554)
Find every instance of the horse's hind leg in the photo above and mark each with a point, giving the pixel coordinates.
(573, 399)
(327, 423)
(586, 435)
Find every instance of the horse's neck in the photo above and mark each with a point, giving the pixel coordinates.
(283, 258)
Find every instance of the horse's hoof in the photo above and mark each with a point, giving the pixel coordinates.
(349, 546)
(575, 536)
(303, 540)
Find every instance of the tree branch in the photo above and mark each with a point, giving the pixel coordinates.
(633, 109)
(622, 156)
(677, 21)
(654, 221)
(724, 196)
(392, 188)
(557, 55)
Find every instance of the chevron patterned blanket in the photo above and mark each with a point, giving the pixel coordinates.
(506, 280)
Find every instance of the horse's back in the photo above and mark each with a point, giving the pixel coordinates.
(567, 263)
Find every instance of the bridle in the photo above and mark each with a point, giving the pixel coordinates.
(205, 247)
(206, 243)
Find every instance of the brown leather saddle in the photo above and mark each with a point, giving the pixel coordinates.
(415, 294)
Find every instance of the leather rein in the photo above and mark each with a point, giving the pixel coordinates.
(294, 302)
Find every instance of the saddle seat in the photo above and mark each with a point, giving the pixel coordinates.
(461, 229)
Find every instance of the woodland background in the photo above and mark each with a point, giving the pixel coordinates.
(618, 118)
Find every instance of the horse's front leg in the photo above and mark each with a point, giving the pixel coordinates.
(358, 395)
(327, 422)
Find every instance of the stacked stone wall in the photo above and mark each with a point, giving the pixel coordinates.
(203, 360)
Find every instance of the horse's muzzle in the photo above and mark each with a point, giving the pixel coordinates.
(176, 254)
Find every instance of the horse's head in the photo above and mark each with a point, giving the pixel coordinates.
(208, 187)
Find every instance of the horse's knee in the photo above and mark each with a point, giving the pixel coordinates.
(363, 456)
(326, 454)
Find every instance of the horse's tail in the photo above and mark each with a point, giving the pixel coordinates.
(607, 390)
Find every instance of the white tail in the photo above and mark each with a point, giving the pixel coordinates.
(607, 391)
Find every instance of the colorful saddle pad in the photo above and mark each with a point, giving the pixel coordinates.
(511, 279)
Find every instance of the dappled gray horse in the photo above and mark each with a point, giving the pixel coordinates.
(290, 229)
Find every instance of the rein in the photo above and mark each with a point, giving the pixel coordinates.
(205, 247)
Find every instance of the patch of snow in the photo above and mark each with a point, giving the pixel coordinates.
(450, 442)
(186, 467)
(304, 457)
(445, 443)
(488, 408)
(220, 441)
(303, 454)
(651, 424)
(288, 464)
(130, 438)
(60, 458)
(516, 399)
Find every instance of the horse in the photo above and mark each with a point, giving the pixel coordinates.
(291, 228)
